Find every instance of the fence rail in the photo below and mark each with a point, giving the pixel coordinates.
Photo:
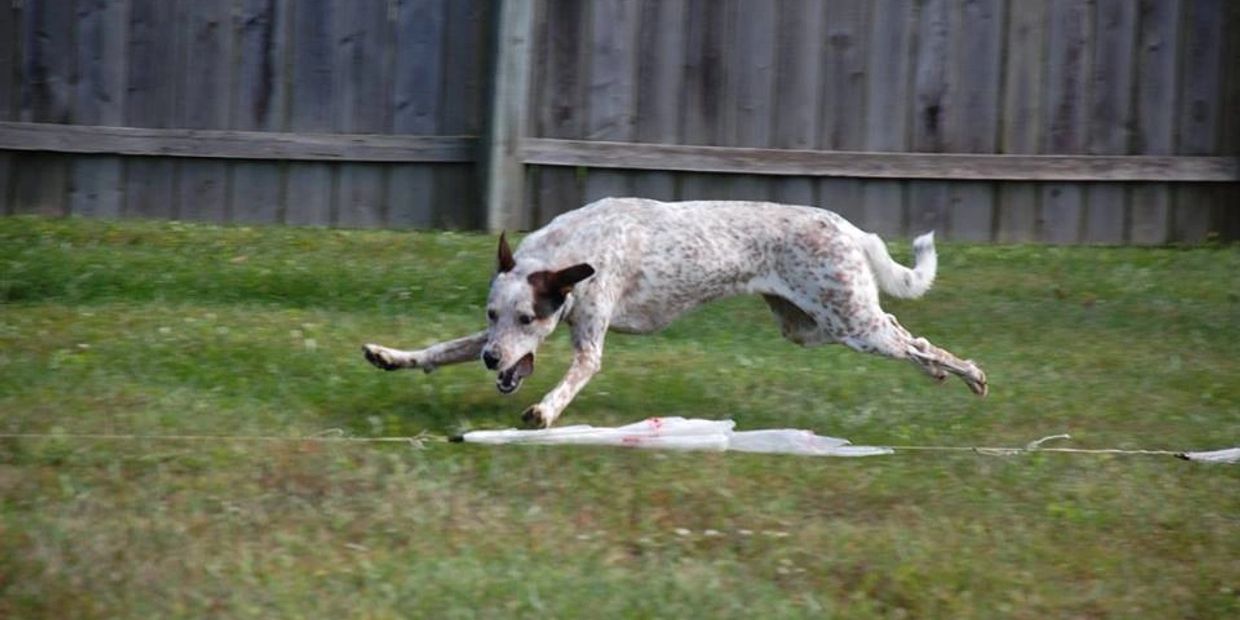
(1062, 121)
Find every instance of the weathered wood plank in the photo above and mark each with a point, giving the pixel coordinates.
(259, 100)
(1111, 115)
(613, 88)
(1230, 134)
(931, 94)
(883, 211)
(362, 106)
(505, 194)
(1150, 217)
(99, 95)
(1017, 213)
(1061, 213)
(973, 118)
(1105, 218)
(419, 48)
(1158, 39)
(6, 182)
(39, 181)
(310, 197)
(797, 91)
(842, 52)
(749, 99)
(10, 39)
(463, 108)
(929, 201)
(150, 184)
(845, 56)
(1017, 210)
(1067, 73)
(205, 73)
(227, 144)
(705, 79)
(47, 96)
(885, 165)
(559, 112)
(1196, 208)
(660, 54)
(929, 208)
(843, 196)
(893, 25)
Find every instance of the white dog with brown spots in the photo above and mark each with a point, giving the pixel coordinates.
(633, 265)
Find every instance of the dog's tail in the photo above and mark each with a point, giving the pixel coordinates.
(896, 279)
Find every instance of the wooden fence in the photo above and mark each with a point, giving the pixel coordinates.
(1064, 121)
(319, 112)
(989, 81)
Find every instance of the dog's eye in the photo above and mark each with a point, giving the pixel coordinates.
(525, 319)
(492, 316)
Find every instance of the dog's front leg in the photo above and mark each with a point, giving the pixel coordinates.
(451, 352)
(587, 360)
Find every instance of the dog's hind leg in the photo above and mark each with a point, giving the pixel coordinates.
(892, 340)
(465, 349)
(795, 325)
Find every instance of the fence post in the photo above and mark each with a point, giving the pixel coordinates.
(505, 174)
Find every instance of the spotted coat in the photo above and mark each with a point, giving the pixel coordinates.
(647, 262)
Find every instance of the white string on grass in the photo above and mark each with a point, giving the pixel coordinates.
(1227, 455)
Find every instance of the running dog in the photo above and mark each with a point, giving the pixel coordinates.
(633, 265)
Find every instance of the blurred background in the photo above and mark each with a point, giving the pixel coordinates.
(413, 92)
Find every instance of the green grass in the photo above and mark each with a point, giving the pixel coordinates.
(176, 328)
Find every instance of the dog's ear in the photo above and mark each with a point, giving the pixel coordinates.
(566, 279)
(506, 262)
(551, 288)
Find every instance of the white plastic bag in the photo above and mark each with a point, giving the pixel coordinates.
(672, 433)
(677, 433)
(794, 441)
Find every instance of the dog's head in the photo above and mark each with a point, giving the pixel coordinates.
(523, 308)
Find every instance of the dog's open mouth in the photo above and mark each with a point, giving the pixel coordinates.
(509, 380)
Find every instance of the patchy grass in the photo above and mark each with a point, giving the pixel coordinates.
(177, 328)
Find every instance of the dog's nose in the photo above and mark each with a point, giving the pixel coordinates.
(490, 359)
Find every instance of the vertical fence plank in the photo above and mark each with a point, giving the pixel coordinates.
(893, 28)
(660, 54)
(151, 102)
(1229, 224)
(99, 95)
(46, 97)
(1158, 36)
(259, 100)
(613, 88)
(361, 106)
(561, 102)
(929, 201)
(705, 80)
(1196, 207)
(843, 54)
(309, 195)
(1022, 114)
(458, 199)
(748, 105)
(1110, 115)
(797, 90)
(9, 38)
(973, 119)
(205, 73)
(1065, 122)
(417, 77)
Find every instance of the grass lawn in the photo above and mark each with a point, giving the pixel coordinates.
(168, 328)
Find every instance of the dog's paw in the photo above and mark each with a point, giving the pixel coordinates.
(976, 380)
(385, 358)
(536, 417)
